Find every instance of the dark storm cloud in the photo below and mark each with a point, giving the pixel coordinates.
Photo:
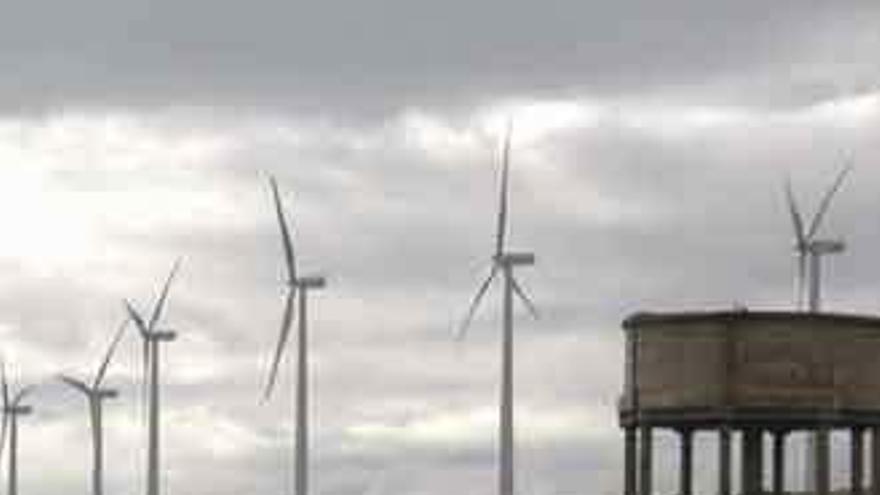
(339, 57)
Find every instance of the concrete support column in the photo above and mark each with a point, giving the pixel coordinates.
(856, 460)
(759, 461)
(779, 461)
(724, 461)
(752, 462)
(822, 462)
(875, 460)
(685, 460)
(629, 461)
(645, 460)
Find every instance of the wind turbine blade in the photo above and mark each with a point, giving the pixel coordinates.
(136, 317)
(826, 200)
(163, 297)
(517, 288)
(475, 303)
(4, 427)
(5, 385)
(289, 259)
(22, 394)
(102, 370)
(4, 430)
(501, 227)
(286, 320)
(801, 242)
(73, 382)
(145, 346)
(796, 218)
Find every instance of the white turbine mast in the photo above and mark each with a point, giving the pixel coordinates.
(95, 394)
(12, 409)
(810, 249)
(504, 261)
(153, 336)
(298, 288)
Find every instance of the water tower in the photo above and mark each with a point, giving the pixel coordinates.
(741, 376)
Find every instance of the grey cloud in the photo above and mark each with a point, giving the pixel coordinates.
(344, 59)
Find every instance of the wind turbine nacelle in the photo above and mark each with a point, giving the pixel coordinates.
(514, 259)
(313, 282)
(108, 393)
(164, 335)
(21, 410)
(826, 246)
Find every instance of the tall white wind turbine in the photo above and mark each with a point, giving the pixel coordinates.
(808, 248)
(12, 409)
(504, 261)
(297, 287)
(95, 394)
(152, 337)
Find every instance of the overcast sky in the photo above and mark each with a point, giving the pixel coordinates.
(651, 143)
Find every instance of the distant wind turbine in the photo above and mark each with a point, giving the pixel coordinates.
(12, 409)
(96, 395)
(808, 248)
(504, 261)
(302, 285)
(152, 337)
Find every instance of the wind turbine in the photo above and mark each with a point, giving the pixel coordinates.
(297, 287)
(12, 409)
(152, 337)
(810, 249)
(504, 261)
(96, 395)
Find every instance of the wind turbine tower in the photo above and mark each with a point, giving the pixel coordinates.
(298, 288)
(809, 248)
(152, 338)
(504, 261)
(96, 395)
(12, 409)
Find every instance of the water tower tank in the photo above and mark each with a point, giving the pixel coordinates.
(749, 374)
